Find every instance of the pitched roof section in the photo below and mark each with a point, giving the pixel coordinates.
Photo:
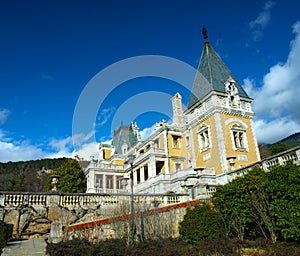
(211, 76)
(124, 135)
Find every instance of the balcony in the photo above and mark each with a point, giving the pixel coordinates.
(150, 151)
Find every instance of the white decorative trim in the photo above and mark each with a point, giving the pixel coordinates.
(230, 120)
(206, 157)
(193, 147)
(203, 129)
(242, 158)
(167, 167)
(221, 142)
(255, 141)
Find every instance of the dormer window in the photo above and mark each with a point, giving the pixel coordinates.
(124, 148)
(187, 141)
(232, 93)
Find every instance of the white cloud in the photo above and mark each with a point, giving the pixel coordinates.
(145, 133)
(14, 151)
(261, 21)
(276, 103)
(86, 151)
(62, 144)
(275, 130)
(84, 147)
(79, 139)
(4, 113)
(281, 86)
(104, 115)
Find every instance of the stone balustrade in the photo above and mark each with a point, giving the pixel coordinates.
(282, 158)
(15, 199)
(33, 213)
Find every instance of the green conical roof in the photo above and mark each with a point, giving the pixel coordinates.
(211, 76)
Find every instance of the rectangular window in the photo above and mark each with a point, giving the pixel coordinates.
(138, 176)
(176, 141)
(159, 166)
(109, 182)
(156, 143)
(178, 166)
(204, 138)
(118, 182)
(239, 139)
(146, 172)
(99, 180)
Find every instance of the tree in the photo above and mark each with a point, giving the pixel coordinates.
(233, 206)
(284, 189)
(259, 201)
(278, 147)
(201, 222)
(72, 179)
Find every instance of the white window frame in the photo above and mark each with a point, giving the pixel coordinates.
(97, 177)
(109, 183)
(239, 138)
(175, 166)
(204, 138)
(178, 138)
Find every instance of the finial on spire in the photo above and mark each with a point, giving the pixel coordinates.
(204, 32)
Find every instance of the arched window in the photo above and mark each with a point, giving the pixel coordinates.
(204, 138)
(239, 137)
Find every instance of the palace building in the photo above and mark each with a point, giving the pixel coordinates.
(213, 136)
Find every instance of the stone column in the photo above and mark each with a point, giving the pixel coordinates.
(134, 177)
(152, 167)
(56, 232)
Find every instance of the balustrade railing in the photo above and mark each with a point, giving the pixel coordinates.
(22, 199)
(266, 164)
(15, 199)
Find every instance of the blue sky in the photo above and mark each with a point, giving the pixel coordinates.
(50, 51)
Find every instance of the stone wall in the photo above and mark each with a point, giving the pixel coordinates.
(155, 223)
(32, 213)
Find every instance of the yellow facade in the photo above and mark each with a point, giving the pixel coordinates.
(213, 136)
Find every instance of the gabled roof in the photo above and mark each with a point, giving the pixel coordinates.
(211, 76)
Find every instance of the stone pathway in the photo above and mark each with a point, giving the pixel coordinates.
(25, 247)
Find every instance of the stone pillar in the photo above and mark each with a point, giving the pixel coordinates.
(134, 177)
(298, 155)
(56, 232)
(53, 203)
(152, 167)
(167, 165)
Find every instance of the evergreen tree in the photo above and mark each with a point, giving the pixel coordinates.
(72, 179)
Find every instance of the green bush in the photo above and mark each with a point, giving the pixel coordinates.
(200, 223)
(75, 247)
(5, 233)
(172, 247)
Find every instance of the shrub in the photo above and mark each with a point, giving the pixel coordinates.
(172, 247)
(75, 247)
(200, 223)
(5, 233)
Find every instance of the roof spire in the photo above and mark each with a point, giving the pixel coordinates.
(204, 32)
